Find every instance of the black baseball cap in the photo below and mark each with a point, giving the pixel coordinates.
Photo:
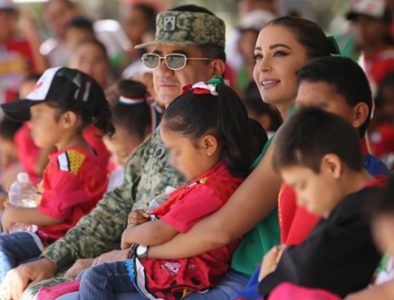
(59, 84)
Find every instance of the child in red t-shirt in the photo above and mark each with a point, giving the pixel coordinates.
(210, 140)
(61, 105)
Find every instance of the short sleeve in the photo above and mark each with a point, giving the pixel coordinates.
(195, 205)
(64, 193)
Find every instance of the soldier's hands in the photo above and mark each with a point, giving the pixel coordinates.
(79, 266)
(18, 278)
(112, 256)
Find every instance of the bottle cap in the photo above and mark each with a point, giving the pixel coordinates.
(23, 177)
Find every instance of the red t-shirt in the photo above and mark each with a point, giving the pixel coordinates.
(168, 279)
(72, 184)
(28, 152)
(16, 61)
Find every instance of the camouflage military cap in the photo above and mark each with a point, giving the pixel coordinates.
(184, 27)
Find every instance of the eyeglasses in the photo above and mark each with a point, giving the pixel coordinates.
(174, 61)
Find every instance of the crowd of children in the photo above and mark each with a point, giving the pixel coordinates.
(169, 185)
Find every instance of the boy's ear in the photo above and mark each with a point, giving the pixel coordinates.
(69, 119)
(332, 165)
(360, 114)
(210, 144)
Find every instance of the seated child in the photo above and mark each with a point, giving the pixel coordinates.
(9, 164)
(211, 141)
(346, 94)
(318, 154)
(381, 211)
(78, 29)
(63, 103)
(133, 120)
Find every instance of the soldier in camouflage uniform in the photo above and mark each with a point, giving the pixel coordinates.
(188, 30)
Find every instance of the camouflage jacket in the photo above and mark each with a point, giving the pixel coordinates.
(148, 172)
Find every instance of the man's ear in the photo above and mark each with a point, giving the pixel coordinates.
(360, 114)
(209, 144)
(69, 119)
(331, 164)
(218, 67)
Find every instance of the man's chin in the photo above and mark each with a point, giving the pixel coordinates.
(166, 99)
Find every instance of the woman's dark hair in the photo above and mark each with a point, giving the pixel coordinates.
(309, 34)
(345, 76)
(222, 115)
(136, 118)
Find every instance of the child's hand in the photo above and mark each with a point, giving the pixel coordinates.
(123, 243)
(8, 217)
(137, 217)
(270, 261)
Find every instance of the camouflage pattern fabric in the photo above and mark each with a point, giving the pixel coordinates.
(184, 27)
(148, 173)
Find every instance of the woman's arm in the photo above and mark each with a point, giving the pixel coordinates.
(150, 233)
(251, 202)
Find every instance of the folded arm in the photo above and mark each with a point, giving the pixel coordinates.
(251, 202)
(149, 233)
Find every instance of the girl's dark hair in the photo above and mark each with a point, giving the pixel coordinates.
(309, 34)
(224, 116)
(135, 118)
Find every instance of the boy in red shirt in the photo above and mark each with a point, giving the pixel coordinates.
(62, 104)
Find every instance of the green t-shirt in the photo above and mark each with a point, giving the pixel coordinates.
(257, 242)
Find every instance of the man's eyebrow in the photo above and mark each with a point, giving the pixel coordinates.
(180, 51)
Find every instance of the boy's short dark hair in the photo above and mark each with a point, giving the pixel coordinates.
(310, 134)
(345, 75)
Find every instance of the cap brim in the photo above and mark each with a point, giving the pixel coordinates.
(352, 15)
(18, 110)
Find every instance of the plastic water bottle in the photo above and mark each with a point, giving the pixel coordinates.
(159, 200)
(22, 193)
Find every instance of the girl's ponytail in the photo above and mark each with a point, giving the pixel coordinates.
(240, 137)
